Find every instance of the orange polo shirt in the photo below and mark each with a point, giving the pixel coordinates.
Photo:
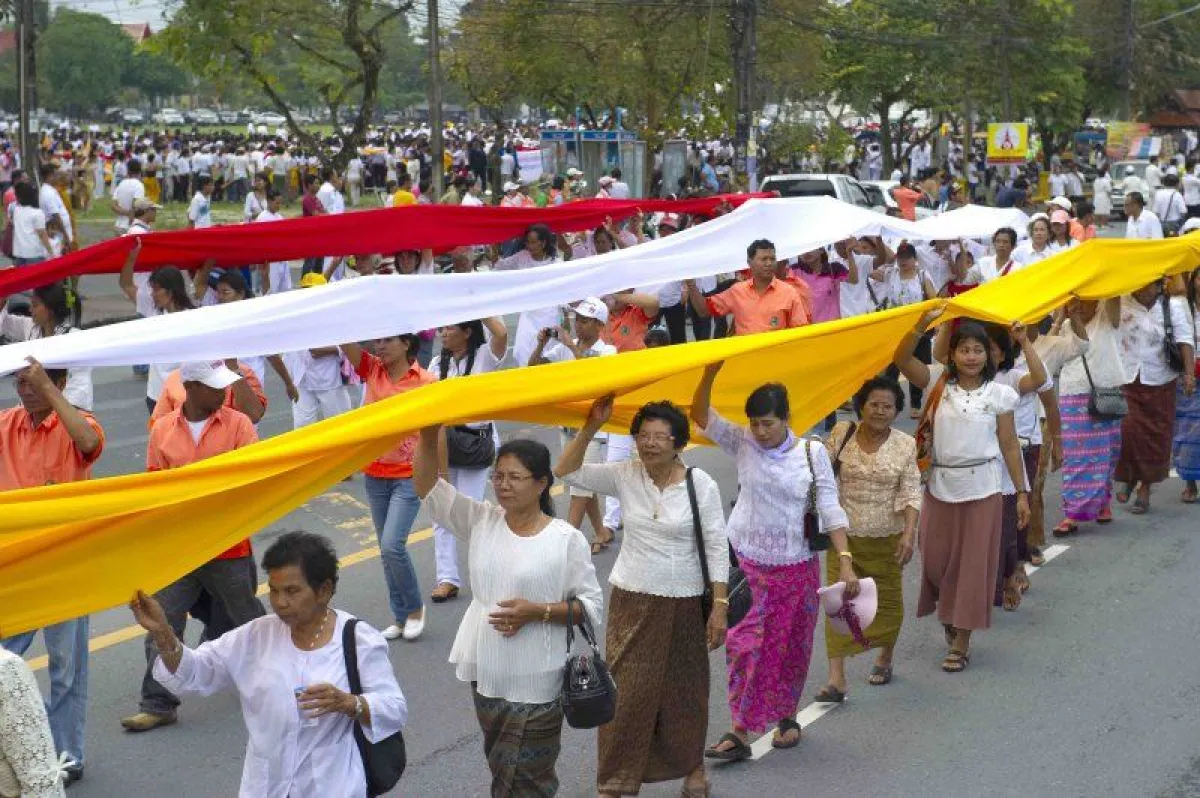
(31, 457)
(778, 308)
(795, 282)
(396, 464)
(173, 393)
(171, 446)
(626, 329)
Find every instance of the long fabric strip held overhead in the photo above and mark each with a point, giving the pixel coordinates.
(384, 230)
(363, 309)
(72, 549)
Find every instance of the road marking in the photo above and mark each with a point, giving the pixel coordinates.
(110, 639)
(815, 711)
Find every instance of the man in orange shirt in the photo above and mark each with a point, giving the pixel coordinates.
(906, 199)
(47, 441)
(764, 303)
(245, 395)
(204, 426)
(630, 314)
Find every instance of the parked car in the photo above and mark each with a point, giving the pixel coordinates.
(269, 118)
(229, 117)
(925, 206)
(841, 187)
(132, 116)
(169, 116)
(1117, 173)
(205, 116)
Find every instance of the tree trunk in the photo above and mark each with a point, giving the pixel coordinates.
(885, 134)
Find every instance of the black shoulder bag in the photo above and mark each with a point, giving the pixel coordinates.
(468, 447)
(817, 540)
(385, 760)
(1104, 404)
(1171, 348)
(589, 694)
(737, 590)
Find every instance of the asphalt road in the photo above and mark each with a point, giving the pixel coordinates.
(1090, 689)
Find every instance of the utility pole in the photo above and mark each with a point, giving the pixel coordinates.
(1125, 107)
(27, 85)
(744, 46)
(435, 101)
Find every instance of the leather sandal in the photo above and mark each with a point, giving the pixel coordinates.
(444, 592)
(880, 675)
(829, 695)
(956, 661)
(786, 725)
(736, 753)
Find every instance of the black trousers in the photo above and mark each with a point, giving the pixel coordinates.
(675, 318)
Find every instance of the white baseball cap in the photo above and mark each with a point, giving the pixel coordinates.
(214, 374)
(573, 172)
(593, 308)
(1062, 202)
(511, 186)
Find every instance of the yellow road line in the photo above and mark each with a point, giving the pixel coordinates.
(101, 642)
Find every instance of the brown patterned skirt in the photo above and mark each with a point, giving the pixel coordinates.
(1146, 433)
(521, 743)
(658, 654)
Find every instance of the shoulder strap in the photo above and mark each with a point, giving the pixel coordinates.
(846, 439)
(812, 478)
(1168, 328)
(691, 489)
(350, 653)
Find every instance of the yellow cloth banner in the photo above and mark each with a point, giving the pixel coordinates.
(68, 550)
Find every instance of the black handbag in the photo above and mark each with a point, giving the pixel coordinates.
(467, 447)
(589, 694)
(1171, 348)
(817, 540)
(1104, 404)
(385, 760)
(737, 590)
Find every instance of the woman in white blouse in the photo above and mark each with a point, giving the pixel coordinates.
(991, 267)
(530, 573)
(289, 672)
(28, 766)
(1146, 431)
(657, 637)
(769, 651)
(1039, 246)
(970, 419)
(49, 314)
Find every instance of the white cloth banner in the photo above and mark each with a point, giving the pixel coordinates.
(385, 305)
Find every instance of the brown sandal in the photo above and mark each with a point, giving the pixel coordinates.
(444, 592)
(956, 661)
(1012, 598)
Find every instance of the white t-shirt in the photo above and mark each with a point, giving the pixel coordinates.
(280, 272)
(968, 464)
(855, 298)
(331, 199)
(1146, 225)
(1191, 189)
(558, 352)
(253, 207)
(52, 205)
(1169, 205)
(507, 163)
(125, 194)
(200, 211)
(26, 222)
(197, 429)
(1058, 185)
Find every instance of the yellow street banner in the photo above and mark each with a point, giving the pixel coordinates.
(1007, 143)
(73, 549)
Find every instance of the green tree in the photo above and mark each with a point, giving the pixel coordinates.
(154, 75)
(82, 59)
(292, 51)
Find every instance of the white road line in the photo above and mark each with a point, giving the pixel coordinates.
(814, 711)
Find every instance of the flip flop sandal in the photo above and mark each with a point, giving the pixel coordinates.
(1140, 506)
(1036, 558)
(1063, 529)
(956, 662)
(600, 546)
(1022, 580)
(1012, 599)
(830, 695)
(1188, 497)
(881, 672)
(1123, 494)
(786, 725)
(737, 753)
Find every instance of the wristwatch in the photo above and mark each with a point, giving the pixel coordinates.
(846, 554)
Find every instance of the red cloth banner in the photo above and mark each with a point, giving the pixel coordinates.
(387, 230)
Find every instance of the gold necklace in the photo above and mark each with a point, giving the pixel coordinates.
(320, 631)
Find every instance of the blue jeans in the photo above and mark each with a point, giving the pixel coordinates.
(67, 645)
(394, 507)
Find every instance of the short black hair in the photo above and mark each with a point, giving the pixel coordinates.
(1008, 231)
(880, 383)
(202, 181)
(314, 554)
(906, 251)
(1137, 197)
(656, 336)
(272, 194)
(57, 376)
(1000, 336)
(668, 412)
(770, 399)
(54, 297)
(755, 246)
(237, 281)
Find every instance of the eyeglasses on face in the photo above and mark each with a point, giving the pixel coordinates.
(654, 437)
(501, 478)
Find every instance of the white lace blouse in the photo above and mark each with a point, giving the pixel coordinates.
(28, 766)
(767, 523)
(658, 554)
(549, 567)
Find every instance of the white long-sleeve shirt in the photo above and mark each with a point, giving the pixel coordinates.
(1143, 333)
(658, 553)
(78, 390)
(546, 568)
(284, 757)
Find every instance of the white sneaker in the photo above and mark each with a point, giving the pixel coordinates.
(413, 629)
(393, 632)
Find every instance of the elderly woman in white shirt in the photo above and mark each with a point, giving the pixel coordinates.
(657, 632)
(290, 674)
(1146, 431)
(28, 766)
(531, 574)
(769, 651)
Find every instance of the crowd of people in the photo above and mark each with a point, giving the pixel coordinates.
(1104, 391)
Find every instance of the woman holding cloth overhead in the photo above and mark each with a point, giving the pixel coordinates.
(656, 629)
(768, 653)
(530, 575)
(967, 433)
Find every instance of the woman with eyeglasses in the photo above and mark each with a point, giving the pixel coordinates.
(657, 638)
(531, 574)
